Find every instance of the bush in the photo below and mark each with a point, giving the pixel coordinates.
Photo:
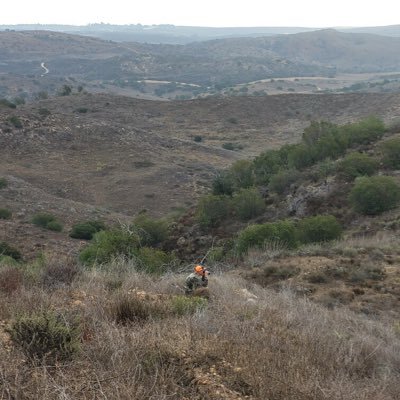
(391, 153)
(242, 174)
(151, 231)
(374, 195)
(44, 112)
(356, 164)
(223, 184)
(107, 245)
(283, 232)
(58, 273)
(183, 305)
(7, 250)
(198, 138)
(55, 226)
(15, 121)
(366, 131)
(47, 221)
(85, 230)
(45, 336)
(320, 228)
(232, 146)
(126, 309)
(5, 213)
(82, 110)
(3, 183)
(6, 103)
(248, 204)
(153, 261)
(212, 210)
(269, 163)
(281, 181)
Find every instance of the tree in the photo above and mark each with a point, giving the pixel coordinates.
(374, 195)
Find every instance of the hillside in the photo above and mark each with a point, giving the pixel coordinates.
(132, 154)
(303, 299)
(190, 70)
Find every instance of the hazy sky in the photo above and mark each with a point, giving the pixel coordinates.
(306, 13)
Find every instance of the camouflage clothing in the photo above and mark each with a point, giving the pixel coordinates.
(194, 281)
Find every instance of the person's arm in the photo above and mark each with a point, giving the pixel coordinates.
(204, 280)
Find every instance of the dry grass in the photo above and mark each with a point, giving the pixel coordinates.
(247, 343)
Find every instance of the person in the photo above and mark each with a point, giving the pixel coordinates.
(197, 279)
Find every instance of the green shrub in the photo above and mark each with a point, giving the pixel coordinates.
(232, 146)
(45, 336)
(301, 156)
(47, 221)
(391, 153)
(216, 254)
(152, 231)
(82, 110)
(6, 103)
(283, 232)
(281, 181)
(3, 183)
(15, 121)
(212, 210)
(107, 245)
(65, 90)
(365, 131)
(7, 250)
(356, 164)
(153, 261)
(223, 184)
(183, 305)
(7, 260)
(127, 309)
(85, 230)
(269, 163)
(198, 138)
(5, 213)
(248, 203)
(320, 228)
(374, 195)
(44, 112)
(55, 226)
(242, 174)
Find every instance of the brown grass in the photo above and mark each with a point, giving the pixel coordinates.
(247, 343)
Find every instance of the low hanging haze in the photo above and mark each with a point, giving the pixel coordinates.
(210, 13)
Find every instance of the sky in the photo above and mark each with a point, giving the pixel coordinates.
(218, 13)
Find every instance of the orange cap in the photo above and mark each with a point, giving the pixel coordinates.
(198, 269)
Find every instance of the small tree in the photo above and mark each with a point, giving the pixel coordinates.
(242, 174)
(212, 210)
(356, 164)
(248, 204)
(283, 232)
(47, 221)
(391, 153)
(9, 251)
(151, 231)
(86, 230)
(109, 244)
(223, 184)
(5, 213)
(66, 90)
(281, 181)
(320, 228)
(375, 194)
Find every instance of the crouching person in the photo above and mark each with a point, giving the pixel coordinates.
(196, 280)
